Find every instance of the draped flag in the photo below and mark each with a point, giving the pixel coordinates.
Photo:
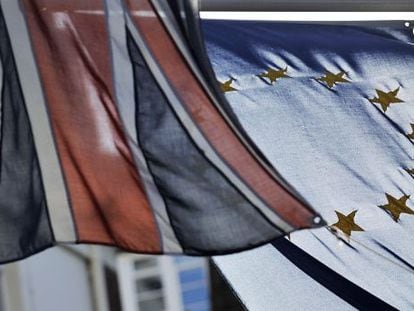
(331, 106)
(113, 133)
(120, 126)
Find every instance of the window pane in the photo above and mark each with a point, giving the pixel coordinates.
(148, 284)
(195, 295)
(144, 263)
(192, 275)
(184, 259)
(152, 305)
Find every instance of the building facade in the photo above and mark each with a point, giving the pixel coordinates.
(97, 278)
(164, 283)
(64, 278)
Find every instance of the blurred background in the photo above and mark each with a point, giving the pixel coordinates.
(98, 278)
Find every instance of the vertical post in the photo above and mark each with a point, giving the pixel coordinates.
(171, 283)
(125, 270)
(98, 280)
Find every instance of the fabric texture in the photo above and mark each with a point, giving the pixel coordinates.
(188, 182)
(331, 106)
(110, 135)
(24, 222)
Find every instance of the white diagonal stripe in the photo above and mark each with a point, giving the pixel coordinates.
(55, 190)
(124, 88)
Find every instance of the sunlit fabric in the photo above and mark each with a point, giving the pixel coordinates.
(112, 133)
(332, 108)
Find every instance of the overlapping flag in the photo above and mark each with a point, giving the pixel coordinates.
(331, 106)
(112, 134)
(116, 130)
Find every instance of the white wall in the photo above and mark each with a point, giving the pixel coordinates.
(61, 278)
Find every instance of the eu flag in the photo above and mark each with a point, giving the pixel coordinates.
(331, 106)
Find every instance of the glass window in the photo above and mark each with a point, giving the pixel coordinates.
(143, 263)
(192, 275)
(165, 283)
(199, 294)
(148, 284)
(152, 304)
(193, 278)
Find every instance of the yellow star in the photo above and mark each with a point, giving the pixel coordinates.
(386, 99)
(346, 223)
(332, 79)
(273, 75)
(226, 86)
(396, 207)
(411, 136)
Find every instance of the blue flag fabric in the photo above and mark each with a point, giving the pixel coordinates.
(331, 106)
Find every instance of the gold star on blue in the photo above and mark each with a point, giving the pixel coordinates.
(332, 79)
(226, 86)
(385, 99)
(346, 223)
(273, 75)
(396, 207)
